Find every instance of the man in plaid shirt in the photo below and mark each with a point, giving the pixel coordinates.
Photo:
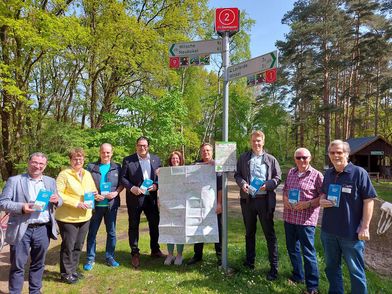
(301, 196)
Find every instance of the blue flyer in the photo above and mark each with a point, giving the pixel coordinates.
(89, 199)
(147, 183)
(294, 196)
(105, 188)
(41, 203)
(334, 191)
(255, 186)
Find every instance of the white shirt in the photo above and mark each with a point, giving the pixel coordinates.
(34, 186)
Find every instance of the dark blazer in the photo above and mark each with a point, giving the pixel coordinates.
(274, 175)
(15, 194)
(132, 175)
(113, 176)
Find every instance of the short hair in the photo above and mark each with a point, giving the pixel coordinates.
(346, 146)
(180, 156)
(38, 154)
(302, 149)
(100, 147)
(206, 144)
(78, 151)
(258, 133)
(143, 138)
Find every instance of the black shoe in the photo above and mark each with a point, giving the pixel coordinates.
(249, 265)
(272, 275)
(292, 280)
(69, 279)
(194, 260)
(77, 275)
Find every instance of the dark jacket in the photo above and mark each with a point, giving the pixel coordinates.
(132, 175)
(274, 174)
(113, 176)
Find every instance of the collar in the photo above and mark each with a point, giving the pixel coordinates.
(347, 169)
(254, 155)
(40, 179)
(141, 158)
(296, 170)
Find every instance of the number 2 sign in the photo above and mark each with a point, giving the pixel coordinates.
(227, 19)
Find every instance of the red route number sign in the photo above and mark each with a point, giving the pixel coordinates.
(174, 62)
(227, 19)
(270, 75)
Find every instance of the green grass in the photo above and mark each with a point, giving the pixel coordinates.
(154, 277)
(384, 189)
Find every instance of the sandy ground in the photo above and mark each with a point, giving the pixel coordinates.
(234, 209)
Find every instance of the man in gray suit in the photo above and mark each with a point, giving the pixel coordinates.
(29, 230)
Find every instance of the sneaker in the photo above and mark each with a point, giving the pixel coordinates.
(169, 260)
(88, 266)
(178, 260)
(69, 279)
(112, 263)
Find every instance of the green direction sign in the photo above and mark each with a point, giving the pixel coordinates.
(254, 65)
(195, 48)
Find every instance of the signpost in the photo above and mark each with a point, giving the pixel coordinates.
(268, 77)
(196, 48)
(227, 20)
(254, 65)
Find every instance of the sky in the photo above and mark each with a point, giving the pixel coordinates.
(268, 16)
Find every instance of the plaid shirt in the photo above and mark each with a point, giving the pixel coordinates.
(309, 184)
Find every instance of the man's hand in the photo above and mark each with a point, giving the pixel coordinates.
(28, 208)
(363, 234)
(136, 190)
(218, 208)
(54, 198)
(263, 188)
(82, 205)
(326, 203)
(98, 197)
(301, 205)
(111, 195)
(286, 203)
(245, 188)
(153, 187)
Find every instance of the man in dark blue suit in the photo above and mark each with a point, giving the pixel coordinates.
(136, 168)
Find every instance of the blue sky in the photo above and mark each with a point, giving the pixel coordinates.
(268, 15)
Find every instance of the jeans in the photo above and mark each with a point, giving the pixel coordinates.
(35, 242)
(109, 215)
(299, 238)
(352, 251)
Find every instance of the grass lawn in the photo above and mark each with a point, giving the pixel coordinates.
(154, 277)
(384, 189)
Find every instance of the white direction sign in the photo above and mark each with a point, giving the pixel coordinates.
(195, 48)
(254, 65)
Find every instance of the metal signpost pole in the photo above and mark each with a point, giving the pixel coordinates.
(225, 138)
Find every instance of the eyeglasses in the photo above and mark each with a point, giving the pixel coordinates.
(301, 157)
(37, 163)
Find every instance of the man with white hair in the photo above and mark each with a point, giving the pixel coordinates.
(301, 196)
(348, 208)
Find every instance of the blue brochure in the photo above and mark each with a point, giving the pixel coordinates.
(89, 199)
(255, 186)
(105, 188)
(41, 203)
(294, 196)
(334, 191)
(147, 183)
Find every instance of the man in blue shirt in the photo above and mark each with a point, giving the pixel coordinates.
(346, 218)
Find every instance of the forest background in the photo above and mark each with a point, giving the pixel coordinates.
(80, 73)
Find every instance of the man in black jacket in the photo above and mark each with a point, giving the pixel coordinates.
(137, 168)
(257, 164)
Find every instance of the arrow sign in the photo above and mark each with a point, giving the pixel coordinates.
(195, 48)
(254, 65)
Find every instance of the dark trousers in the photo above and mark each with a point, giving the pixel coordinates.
(251, 209)
(73, 236)
(35, 242)
(150, 209)
(198, 247)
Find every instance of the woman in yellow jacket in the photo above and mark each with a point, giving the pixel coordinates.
(73, 217)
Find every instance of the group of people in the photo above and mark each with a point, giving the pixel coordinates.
(344, 227)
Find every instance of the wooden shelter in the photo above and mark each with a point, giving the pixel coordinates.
(373, 154)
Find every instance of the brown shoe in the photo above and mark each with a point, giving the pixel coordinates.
(136, 260)
(157, 254)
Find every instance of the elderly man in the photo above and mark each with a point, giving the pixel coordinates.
(207, 152)
(348, 208)
(106, 175)
(29, 229)
(137, 168)
(258, 165)
(301, 196)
